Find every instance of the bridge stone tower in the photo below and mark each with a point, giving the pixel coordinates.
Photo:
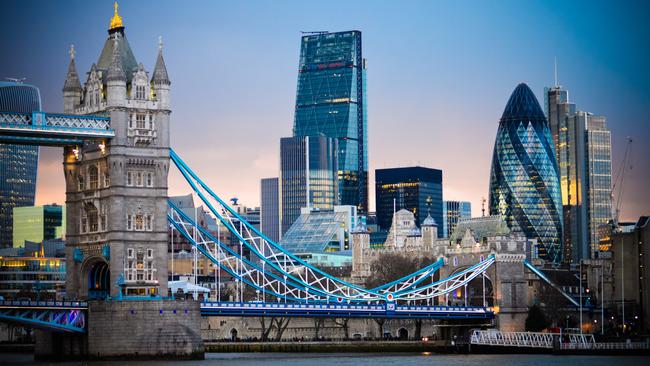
(116, 191)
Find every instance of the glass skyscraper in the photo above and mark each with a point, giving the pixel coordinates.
(583, 148)
(416, 189)
(37, 224)
(18, 163)
(308, 168)
(524, 180)
(452, 213)
(270, 208)
(331, 101)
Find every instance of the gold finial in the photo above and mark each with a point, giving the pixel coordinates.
(116, 20)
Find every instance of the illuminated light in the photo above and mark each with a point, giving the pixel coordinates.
(75, 151)
(102, 147)
(496, 309)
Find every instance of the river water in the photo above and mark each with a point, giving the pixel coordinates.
(363, 359)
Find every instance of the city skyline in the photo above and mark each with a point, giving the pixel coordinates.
(431, 110)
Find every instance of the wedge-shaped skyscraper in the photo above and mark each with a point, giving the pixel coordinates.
(524, 181)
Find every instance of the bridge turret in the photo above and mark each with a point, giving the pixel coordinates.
(429, 231)
(72, 87)
(160, 80)
(116, 79)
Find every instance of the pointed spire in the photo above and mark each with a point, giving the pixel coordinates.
(115, 70)
(160, 70)
(72, 82)
(116, 20)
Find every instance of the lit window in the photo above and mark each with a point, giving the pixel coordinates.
(93, 177)
(139, 222)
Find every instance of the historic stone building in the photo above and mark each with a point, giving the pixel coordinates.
(116, 191)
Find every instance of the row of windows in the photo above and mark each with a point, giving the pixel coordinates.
(93, 179)
(139, 265)
(139, 222)
(141, 121)
(139, 179)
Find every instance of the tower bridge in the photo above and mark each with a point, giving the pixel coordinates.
(117, 155)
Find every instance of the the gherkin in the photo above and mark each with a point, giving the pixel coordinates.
(524, 181)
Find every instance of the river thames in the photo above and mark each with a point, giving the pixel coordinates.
(361, 359)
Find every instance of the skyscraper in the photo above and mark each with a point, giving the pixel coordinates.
(417, 189)
(524, 180)
(308, 168)
(18, 163)
(583, 152)
(270, 208)
(452, 213)
(37, 223)
(331, 101)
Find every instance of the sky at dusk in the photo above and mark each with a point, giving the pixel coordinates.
(439, 75)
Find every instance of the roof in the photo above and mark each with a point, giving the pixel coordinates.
(522, 105)
(160, 70)
(313, 232)
(127, 59)
(186, 287)
(481, 227)
(429, 221)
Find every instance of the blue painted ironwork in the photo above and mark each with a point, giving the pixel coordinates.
(545, 278)
(57, 316)
(39, 128)
(325, 310)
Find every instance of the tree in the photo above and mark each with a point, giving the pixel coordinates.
(280, 326)
(318, 324)
(536, 320)
(343, 323)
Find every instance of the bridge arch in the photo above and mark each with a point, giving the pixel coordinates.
(403, 334)
(476, 288)
(97, 278)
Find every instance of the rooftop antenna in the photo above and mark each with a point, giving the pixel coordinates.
(16, 80)
(483, 206)
(314, 32)
(555, 70)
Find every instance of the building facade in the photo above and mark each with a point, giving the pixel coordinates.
(270, 208)
(18, 163)
(583, 152)
(38, 223)
(524, 179)
(452, 213)
(116, 190)
(331, 101)
(417, 189)
(308, 171)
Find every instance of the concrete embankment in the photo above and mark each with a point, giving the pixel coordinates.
(320, 347)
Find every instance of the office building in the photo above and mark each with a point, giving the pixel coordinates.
(331, 101)
(308, 170)
(452, 213)
(524, 179)
(270, 208)
(18, 163)
(37, 224)
(417, 189)
(583, 152)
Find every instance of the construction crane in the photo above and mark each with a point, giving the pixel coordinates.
(618, 182)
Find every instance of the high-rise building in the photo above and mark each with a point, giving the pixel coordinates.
(308, 168)
(452, 213)
(331, 101)
(270, 208)
(417, 189)
(18, 163)
(524, 179)
(37, 224)
(583, 152)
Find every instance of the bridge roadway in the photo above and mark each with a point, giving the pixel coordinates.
(71, 316)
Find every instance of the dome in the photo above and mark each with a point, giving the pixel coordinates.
(522, 105)
(429, 221)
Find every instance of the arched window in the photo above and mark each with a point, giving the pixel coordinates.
(92, 218)
(81, 182)
(93, 177)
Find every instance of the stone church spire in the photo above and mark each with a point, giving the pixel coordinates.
(115, 70)
(72, 82)
(160, 70)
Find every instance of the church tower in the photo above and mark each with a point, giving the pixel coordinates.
(116, 190)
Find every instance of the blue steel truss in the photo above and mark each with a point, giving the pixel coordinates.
(39, 128)
(278, 273)
(58, 316)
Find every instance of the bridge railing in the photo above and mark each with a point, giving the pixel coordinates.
(43, 304)
(55, 120)
(528, 339)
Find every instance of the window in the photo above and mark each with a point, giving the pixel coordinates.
(149, 179)
(149, 222)
(129, 253)
(84, 223)
(130, 277)
(129, 179)
(81, 182)
(92, 219)
(138, 179)
(107, 180)
(93, 177)
(129, 222)
(140, 92)
(150, 254)
(149, 276)
(140, 121)
(139, 222)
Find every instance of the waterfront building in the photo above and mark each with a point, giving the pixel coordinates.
(322, 237)
(331, 101)
(524, 179)
(38, 223)
(452, 212)
(270, 208)
(18, 163)
(630, 255)
(308, 171)
(35, 271)
(417, 189)
(583, 152)
(117, 189)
